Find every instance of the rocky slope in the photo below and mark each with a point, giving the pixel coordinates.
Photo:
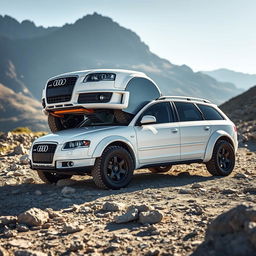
(19, 110)
(242, 110)
(157, 214)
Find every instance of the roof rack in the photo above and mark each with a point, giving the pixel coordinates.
(183, 98)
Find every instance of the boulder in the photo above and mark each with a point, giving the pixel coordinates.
(29, 253)
(72, 227)
(33, 217)
(232, 233)
(19, 150)
(6, 220)
(129, 215)
(113, 207)
(150, 217)
(3, 252)
(141, 207)
(24, 159)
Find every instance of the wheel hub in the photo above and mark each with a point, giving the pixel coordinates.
(224, 158)
(117, 168)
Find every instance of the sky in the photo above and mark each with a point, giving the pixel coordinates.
(203, 34)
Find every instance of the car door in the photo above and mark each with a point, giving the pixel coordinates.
(194, 131)
(158, 142)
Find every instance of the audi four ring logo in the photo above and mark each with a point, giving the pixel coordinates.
(59, 82)
(42, 148)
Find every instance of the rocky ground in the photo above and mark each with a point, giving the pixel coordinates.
(157, 214)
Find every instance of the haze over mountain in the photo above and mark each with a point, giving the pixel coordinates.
(29, 55)
(241, 80)
(19, 110)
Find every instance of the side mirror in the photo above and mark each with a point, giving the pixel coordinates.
(148, 120)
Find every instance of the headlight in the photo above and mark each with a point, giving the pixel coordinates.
(96, 77)
(77, 144)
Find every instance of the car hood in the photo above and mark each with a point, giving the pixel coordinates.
(75, 134)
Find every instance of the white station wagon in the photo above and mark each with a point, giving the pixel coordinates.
(164, 132)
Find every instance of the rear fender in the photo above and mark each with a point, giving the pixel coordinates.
(212, 141)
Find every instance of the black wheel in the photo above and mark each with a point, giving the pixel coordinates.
(49, 178)
(114, 169)
(62, 123)
(123, 117)
(160, 169)
(223, 159)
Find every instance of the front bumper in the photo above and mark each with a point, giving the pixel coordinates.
(76, 160)
(119, 100)
(79, 166)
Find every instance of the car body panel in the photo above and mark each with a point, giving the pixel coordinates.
(194, 137)
(149, 144)
(158, 143)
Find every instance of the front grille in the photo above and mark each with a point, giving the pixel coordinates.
(58, 99)
(60, 89)
(43, 153)
(62, 82)
(101, 97)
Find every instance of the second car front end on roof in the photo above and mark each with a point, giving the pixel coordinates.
(67, 98)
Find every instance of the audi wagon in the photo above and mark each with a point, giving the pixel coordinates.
(167, 131)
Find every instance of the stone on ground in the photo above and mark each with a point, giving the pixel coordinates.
(33, 217)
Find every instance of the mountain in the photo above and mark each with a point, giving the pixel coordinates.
(96, 41)
(29, 55)
(242, 110)
(241, 80)
(11, 28)
(19, 110)
(242, 107)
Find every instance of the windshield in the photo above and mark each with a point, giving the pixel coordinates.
(106, 117)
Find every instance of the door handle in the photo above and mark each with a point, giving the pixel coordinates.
(207, 128)
(175, 130)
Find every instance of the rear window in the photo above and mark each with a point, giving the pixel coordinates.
(188, 112)
(210, 113)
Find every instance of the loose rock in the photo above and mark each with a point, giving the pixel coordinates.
(33, 217)
(113, 207)
(150, 217)
(130, 215)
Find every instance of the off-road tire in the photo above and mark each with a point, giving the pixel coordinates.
(50, 178)
(100, 169)
(160, 169)
(54, 123)
(123, 117)
(62, 123)
(214, 166)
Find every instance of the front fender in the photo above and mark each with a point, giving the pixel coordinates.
(107, 141)
(212, 141)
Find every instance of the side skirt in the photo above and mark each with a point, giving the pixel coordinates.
(171, 163)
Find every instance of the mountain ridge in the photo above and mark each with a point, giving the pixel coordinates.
(240, 79)
(96, 41)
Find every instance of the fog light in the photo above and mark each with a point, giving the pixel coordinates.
(70, 164)
(102, 97)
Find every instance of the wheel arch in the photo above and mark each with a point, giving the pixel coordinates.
(216, 136)
(117, 141)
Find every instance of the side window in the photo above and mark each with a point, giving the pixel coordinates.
(210, 113)
(188, 112)
(160, 111)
